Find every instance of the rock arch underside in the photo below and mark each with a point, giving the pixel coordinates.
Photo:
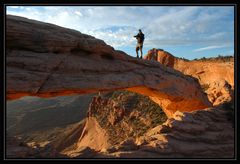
(46, 60)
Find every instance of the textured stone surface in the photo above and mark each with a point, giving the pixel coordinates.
(201, 134)
(208, 72)
(219, 92)
(161, 56)
(16, 148)
(215, 76)
(93, 130)
(47, 60)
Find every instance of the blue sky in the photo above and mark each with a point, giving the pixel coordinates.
(184, 31)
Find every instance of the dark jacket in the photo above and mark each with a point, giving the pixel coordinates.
(140, 37)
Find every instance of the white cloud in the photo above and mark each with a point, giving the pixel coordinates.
(217, 35)
(162, 25)
(78, 13)
(120, 36)
(209, 48)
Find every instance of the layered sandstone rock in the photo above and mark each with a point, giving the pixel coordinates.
(161, 56)
(208, 133)
(219, 92)
(215, 76)
(47, 60)
(93, 135)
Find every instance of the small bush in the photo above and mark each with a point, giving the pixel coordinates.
(205, 87)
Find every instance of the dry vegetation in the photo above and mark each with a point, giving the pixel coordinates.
(217, 59)
(135, 114)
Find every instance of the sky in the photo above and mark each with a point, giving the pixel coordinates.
(184, 31)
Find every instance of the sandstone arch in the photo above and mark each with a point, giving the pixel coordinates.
(47, 60)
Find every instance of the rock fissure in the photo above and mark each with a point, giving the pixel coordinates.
(51, 72)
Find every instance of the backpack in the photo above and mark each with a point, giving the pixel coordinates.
(142, 37)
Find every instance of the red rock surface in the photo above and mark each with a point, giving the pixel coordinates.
(216, 76)
(47, 60)
(201, 134)
(161, 56)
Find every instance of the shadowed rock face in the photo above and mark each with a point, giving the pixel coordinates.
(201, 134)
(47, 60)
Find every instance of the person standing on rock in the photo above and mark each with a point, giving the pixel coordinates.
(140, 39)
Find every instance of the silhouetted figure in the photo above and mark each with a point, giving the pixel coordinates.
(140, 39)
